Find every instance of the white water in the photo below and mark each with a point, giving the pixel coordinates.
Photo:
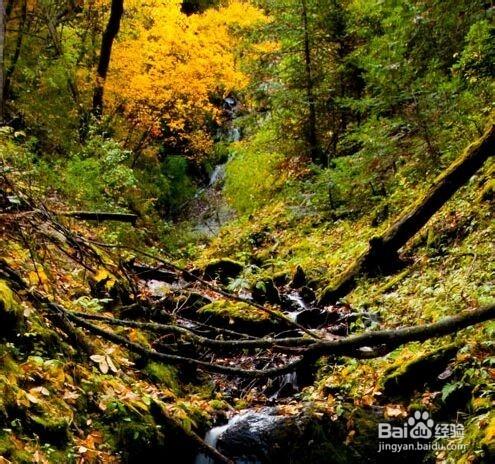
(218, 174)
(295, 298)
(256, 422)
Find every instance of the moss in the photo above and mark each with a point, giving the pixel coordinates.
(11, 313)
(488, 440)
(488, 191)
(223, 269)
(51, 428)
(404, 378)
(234, 310)
(479, 439)
(163, 374)
(140, 441)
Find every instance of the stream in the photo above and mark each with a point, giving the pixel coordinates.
(209, 208)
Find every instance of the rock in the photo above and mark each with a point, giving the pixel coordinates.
(193, 303)
(190, 275)
(307, 294)
(223, 270)
(404, 379)
(265, 290)
(105, 286)
(52, 429)
(299, 278)
(197, 300)
(488, 192)
(255, 436)
(280, 278)
(266, 437)
(11, 313)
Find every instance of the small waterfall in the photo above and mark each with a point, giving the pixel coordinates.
(298, 303)
(217, 175)
(211, 439)
(256, 422)
(234, 134)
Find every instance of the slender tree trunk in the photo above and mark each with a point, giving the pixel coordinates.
(17, 52)
(2, 46)
(111, 31)
(310, 98)
(382, 250)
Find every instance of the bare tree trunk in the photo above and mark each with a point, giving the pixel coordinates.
(2, 46)
(310, 98)
(111, 31)
(382, 250)
(17, 52)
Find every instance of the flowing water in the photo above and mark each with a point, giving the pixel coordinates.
(298, 303)
(253, 425)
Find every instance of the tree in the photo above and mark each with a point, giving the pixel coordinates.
(382, 252)
(2, 47)
(311, 136)
(111, 31)
(176, 69)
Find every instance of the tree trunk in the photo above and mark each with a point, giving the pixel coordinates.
(382, 250)
(311, 136)
(17, 53)
(111, 31)
(2, 46)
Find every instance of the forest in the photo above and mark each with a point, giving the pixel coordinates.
(247, 231)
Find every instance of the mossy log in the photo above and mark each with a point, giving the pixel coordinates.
(381, 254)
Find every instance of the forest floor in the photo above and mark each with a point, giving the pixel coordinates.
(69, 396)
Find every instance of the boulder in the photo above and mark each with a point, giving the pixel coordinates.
(299, 278)
(404, 379)
(265, 290)
(11, 313)
(223, 270)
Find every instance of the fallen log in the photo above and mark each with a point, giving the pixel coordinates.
(144, 272)
(100, 216)
(382, 251)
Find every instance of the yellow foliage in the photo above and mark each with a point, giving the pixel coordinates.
(166, 66)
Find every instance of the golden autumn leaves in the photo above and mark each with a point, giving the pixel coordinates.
(167, 66)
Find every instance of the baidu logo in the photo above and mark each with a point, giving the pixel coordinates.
(418, 432)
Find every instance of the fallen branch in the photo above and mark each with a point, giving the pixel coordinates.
(380, 342)
(100, 216)
(144, 272)
(230, 296)
(171, 425)
(382, 250)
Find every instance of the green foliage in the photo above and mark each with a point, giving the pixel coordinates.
(477, 59)
(181, 187)
(253, 175)
(98, 175)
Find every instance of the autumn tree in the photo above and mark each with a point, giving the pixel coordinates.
(174, 67)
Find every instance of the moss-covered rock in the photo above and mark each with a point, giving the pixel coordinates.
(163, 374)
(11, 313)
(488, 191)
(234, 310)
(50, 427)
(280, 278)
(223, 270)
(265, 290)
(403, 379)
(299, 278)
